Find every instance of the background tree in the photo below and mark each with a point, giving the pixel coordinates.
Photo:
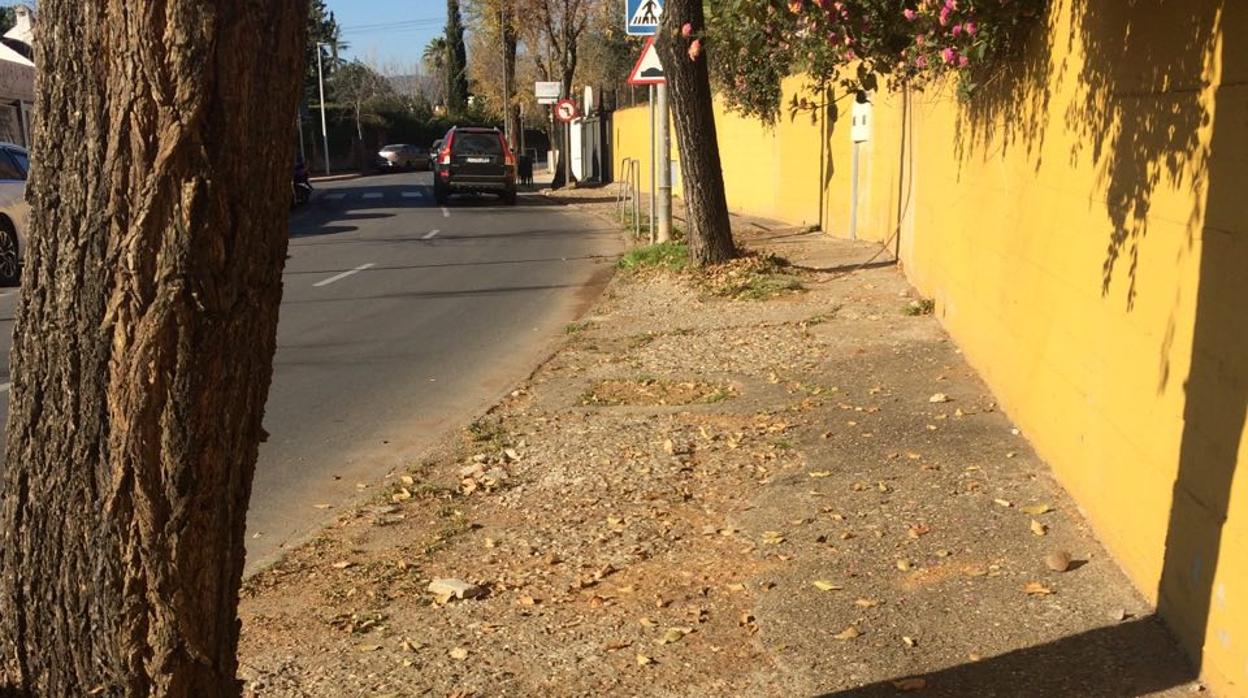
(8, 17)
(553, 30)
(360, 88)
(144, 340)
(434, 58)
(684, 57)
(456, 61)
(322, 29)
(493, 60)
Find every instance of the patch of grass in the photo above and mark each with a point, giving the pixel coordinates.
(486, 431)
(923, 306)
(574, 327)
(672, 256)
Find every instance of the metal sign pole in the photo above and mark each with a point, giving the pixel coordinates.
(654, 169)
(665, 168)
(567, 154)
(320, 76)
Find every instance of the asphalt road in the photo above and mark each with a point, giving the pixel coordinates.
(400, 321)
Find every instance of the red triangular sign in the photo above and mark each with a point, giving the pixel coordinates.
(649, 69)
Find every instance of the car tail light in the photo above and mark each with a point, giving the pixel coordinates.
(444, 157)
(508, 156)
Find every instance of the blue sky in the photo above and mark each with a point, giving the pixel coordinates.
(391, 33)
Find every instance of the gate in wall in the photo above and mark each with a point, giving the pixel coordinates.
(596, 149)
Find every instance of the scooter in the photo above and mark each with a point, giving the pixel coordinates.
(300, 186)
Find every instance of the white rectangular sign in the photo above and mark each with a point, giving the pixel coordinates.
(548, 92)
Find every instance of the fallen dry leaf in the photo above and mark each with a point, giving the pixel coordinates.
(1036, 589)
(459, 653)
(824, 585)
(938, 398)
(820, 473)
(1038, 528)
(672, 635)
(1004, 502)
(848, 633)
(866, 603)
(1037, 509)
(643, 660)
(342, 565)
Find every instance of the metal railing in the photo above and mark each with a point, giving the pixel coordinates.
(629, 192)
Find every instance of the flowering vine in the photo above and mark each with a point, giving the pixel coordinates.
(859, 43)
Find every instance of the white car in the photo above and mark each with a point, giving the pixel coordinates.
(14, 211)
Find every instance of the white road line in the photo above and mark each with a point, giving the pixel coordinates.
(430, 235)
(372, 195)
(446, 212)
(413, 195)
(343, 275)
(336, 196)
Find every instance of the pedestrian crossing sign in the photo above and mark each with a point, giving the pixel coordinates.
(643, 17)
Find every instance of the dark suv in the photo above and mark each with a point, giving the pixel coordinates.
(474, 160)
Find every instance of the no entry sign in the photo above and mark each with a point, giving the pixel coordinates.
(565, 110)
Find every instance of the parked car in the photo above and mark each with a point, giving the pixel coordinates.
(475, 160)
(403, 156)
(14, 211)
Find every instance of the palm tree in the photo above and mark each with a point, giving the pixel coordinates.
(435, 54)
(434, 58)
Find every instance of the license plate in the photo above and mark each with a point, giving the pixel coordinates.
(479, 161)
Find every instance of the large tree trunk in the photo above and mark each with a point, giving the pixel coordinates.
(709, 233)
(144, 341)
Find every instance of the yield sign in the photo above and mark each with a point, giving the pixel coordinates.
(643, 17)
(565, 110)
(649, 69)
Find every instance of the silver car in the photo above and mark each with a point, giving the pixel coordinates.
(14, 211)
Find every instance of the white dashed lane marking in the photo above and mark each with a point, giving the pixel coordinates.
(343, 275)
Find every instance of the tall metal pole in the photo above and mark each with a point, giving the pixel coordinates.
(567, 154)
(502, 32)
(320, 78)
(654, 169)
(665, 167)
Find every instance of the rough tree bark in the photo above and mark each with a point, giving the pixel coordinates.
(710, 232)
(144, 341)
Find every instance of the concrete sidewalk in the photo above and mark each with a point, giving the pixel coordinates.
(722, 486)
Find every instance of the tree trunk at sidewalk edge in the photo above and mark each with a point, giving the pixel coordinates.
(709, 233)
(144, 341)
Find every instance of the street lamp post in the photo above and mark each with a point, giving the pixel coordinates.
(320, 77)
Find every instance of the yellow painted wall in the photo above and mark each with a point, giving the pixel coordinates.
(1083, 226)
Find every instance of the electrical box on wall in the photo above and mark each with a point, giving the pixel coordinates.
(860, 125)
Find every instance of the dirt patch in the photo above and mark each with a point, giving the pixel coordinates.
(855, 521)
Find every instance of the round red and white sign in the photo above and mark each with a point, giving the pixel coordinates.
(565, 110)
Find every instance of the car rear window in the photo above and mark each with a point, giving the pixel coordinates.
(478, 144)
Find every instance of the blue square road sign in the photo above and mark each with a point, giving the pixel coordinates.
(642, 17)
